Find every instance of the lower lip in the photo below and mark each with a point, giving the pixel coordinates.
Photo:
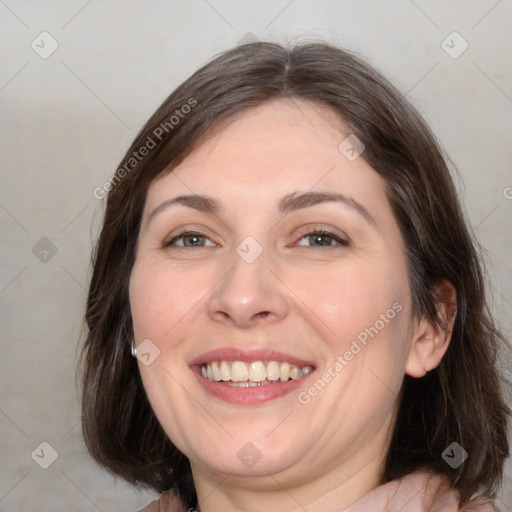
(250, 395)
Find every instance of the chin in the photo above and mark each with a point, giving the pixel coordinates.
(250, 459)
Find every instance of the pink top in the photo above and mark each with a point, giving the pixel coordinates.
(418, 492)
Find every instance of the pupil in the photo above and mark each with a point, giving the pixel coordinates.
(320, 239)
(194, 239)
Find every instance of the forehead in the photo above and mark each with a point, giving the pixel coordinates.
(269, 151)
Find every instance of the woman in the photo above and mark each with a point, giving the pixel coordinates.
(284, 255)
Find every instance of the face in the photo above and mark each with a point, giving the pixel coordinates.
(271, 298)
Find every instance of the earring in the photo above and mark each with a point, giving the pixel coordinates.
(134, 350)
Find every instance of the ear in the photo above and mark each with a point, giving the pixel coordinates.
(430, 341)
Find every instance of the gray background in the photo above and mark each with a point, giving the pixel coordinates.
(67, 120)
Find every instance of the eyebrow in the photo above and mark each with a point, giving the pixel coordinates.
(289, 203)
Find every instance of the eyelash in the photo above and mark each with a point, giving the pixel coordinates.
(309, 232)
(324, 232)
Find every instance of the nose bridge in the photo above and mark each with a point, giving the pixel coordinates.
(249, 291)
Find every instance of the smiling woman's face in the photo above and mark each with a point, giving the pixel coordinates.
(291, 258)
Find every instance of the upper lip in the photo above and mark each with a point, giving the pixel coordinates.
(248, 355)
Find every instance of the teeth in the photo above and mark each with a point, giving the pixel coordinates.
(307, 370)
(295, 373)
(273, 372)
(216, 372)
(257, 373)
(239, 372)
(285, 371)
(247, 384)
(225, 371)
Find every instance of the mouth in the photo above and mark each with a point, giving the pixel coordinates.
(256, 373)
(250, 376)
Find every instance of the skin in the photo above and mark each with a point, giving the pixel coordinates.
(305, 297)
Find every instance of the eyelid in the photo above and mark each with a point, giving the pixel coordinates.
(182, 233)
(342, 238)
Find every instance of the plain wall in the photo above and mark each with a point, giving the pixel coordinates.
(68, 119)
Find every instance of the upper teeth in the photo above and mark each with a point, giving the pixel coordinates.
(257, 371)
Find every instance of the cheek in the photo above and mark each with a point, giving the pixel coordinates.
(161, 298)
(349, 300)
(365, 322)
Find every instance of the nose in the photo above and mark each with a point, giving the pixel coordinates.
(249, 294)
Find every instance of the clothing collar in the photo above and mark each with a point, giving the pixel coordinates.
(416, 492)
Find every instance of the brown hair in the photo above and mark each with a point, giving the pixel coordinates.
(461, 400)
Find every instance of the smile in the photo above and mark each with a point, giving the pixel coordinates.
(256, 373)
(250, 376)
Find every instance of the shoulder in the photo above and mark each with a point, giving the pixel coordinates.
(166, 503)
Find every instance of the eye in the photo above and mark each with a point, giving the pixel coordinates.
(321, 238)
(189, 239)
